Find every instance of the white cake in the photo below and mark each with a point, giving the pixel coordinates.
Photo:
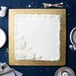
(37, 37)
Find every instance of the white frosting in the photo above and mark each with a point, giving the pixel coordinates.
(37, 37)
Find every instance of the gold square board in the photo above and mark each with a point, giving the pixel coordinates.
(12, 60)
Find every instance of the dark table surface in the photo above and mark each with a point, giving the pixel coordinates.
(70, 6)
